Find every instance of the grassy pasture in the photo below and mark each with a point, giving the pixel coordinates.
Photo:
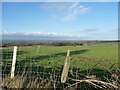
(94, 59)
(54, 56)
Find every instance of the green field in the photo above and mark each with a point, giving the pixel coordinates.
(83, 57)
(43, 61)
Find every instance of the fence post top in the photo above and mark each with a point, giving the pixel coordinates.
(15, 46)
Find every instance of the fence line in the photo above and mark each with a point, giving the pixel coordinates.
(55, 70)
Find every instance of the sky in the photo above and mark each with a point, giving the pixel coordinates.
(60, 20)
(60, 0)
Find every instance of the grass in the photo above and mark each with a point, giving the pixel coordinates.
(44, 61)
(46, 54)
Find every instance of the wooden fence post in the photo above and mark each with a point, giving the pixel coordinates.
(13, 61)
(65, 68)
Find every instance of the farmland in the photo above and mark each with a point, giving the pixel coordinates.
(94, 59)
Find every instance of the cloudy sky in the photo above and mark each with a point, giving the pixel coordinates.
(65, 20)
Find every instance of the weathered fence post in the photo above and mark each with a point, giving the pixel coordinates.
(65, 68)
(13, 61)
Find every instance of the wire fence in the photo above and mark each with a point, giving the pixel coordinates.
(36, 69)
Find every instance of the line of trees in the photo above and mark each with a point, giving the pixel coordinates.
(50, 43)
(26, 43)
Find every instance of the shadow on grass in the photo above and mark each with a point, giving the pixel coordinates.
(41, 57)
(72, 52)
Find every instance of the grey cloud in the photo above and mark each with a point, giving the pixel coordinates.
(85, 30)
(43, 34)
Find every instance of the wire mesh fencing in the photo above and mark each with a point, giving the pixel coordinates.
(43, 67)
